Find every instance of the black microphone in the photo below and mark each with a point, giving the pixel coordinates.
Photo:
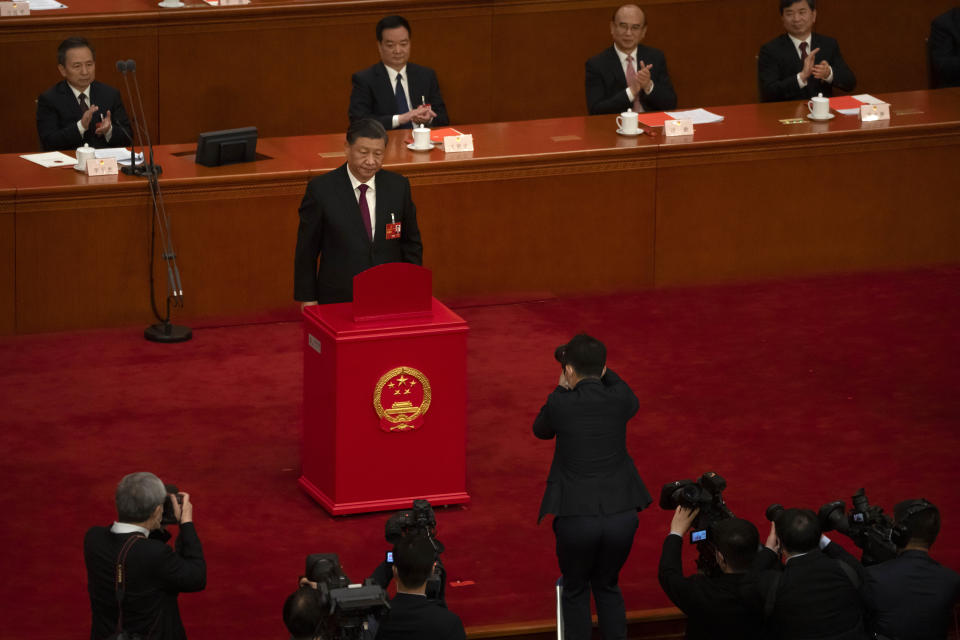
(151, 168)
(132, 170)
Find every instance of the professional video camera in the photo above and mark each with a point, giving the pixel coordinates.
(705, 494)
(349, 607)
(419, 521)
(867, 525)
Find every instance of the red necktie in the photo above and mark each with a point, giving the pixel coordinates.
(365, 211)
(631, 73)
(803, 51)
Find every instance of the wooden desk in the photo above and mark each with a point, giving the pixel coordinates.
(285, 65)
(558, 206)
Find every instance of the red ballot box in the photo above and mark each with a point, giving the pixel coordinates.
(384, 396)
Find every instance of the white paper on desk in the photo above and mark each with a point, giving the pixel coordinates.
(43, 5)
(697, 116)
(122, 155)
(50, 159)
(866, 98)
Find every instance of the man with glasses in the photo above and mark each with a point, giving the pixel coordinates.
(629, 75)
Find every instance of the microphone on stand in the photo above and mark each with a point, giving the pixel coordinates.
(150, 168)
(133, 169)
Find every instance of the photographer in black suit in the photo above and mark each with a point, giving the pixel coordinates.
(816, 593)
(412, 615)
(714, 605)
(154, 572)
(79, 109)
(593, 490)
(912, 596)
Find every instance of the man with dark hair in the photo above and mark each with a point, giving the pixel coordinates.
(154, 573)
(628, 75)
(79, 109)
(593, 490)
(412, 615)
(816, 594)
(397, 93)
(800, 64)
(353, 218)
(714, 605)
(302, 613)
(912, 596)
(944, 43)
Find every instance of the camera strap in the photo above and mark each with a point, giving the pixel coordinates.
(119, 577)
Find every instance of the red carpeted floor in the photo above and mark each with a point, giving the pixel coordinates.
(797, 392)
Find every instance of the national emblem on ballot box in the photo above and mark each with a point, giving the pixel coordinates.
(409, 351)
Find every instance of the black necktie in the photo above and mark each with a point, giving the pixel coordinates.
(83, 102)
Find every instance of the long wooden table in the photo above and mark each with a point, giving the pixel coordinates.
(285, 65)
(546, 207)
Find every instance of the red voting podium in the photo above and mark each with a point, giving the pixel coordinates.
(384, 396)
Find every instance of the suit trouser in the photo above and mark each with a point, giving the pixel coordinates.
(591, 551)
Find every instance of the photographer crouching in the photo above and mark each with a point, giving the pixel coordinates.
(133, 576)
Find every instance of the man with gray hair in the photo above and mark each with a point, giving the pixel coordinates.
(154, 574)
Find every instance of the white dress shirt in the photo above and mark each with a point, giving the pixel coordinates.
(405, 83)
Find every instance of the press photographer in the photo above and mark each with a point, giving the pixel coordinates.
(816, 592)
(326, 606)
(713, 603)
(419, 521)
(706, 497)
(412, 615)
(133, 576)
(912, 596)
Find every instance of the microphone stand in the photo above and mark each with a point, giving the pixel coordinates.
(163, 330)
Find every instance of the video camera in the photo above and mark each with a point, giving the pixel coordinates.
(419, 521)
(705, 494)
(349, 607)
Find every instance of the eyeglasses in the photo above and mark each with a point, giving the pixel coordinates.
(624, 27)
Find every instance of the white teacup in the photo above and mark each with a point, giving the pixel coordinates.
(84, 153)
(421, 138)
(627, 121)
(819, 107)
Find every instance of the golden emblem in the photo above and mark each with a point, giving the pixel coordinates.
(401, 399)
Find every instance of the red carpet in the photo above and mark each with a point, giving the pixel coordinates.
(797, 392)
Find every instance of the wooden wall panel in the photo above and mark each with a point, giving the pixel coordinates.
(7, 262)
(792, 214)
(576, 232)
(82, 261)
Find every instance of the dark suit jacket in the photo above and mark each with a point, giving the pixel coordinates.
(815, 598)
(374, 97)
(58, 112)
(592, 473)
(779, 63)
(331, 228)
(944, 45)
(155, 575)
(714, 606)
(911, 597)
(606, 83)
(413, 617)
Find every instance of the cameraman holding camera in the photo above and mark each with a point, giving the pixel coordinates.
(145, 603)
(714, 605)
(593, 490)
(412, 615)
(912, 596)
(816, 593)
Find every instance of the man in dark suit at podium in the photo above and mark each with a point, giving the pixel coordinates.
(397, 93)
(353, 218)
(593, 490)
(79, 109)
(800, 64)
(628, 75)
